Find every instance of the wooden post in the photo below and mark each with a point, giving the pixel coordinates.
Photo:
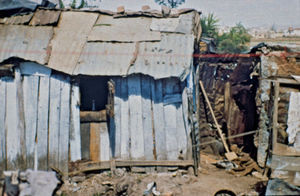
(275, 115)
(214, 118)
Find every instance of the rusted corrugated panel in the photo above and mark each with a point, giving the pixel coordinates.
(102, 58)
(172, 56)
(69, 40)
(45, 17)
(17, 20)
(123, 29)
(183, 24)
(25, 42)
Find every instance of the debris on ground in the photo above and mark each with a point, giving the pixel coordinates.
(280, 187)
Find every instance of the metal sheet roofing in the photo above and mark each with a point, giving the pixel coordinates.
(69, 38)
(29, 43)
(172, 57)
(89, 43)
(123, 29)
(102, 58)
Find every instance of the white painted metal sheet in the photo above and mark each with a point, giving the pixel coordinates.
(125, 133)
(135, 113)
(42, 123)
(2, 122)
(30, 94)
(75, 140)
(293, 122)
(31, 68)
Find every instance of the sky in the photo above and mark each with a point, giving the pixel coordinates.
(252, 13)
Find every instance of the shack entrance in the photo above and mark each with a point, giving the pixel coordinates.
(94, 96)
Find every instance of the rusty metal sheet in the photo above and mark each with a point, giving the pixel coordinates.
(134, 29)
(171, 57)
(101, 58)
(183, 24)
(17, 20)
(29, 43)
(69, 39)
(45, 17)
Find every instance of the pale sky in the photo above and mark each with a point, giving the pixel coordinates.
(249, 12)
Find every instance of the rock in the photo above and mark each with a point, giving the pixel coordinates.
(259, 176)
(190, 171)
(121, 10)
(146, 7)
(167, 194)
(120, 172)
(165, 10)
(78, 179)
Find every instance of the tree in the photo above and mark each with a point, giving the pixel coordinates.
(209, 26)
(235, 41)
(170, 3)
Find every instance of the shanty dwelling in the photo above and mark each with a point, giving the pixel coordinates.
(98, 86)
(278, 100)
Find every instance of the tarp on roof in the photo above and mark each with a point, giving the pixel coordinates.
(12, 7)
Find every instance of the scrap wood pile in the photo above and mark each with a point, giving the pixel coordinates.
(242, 165)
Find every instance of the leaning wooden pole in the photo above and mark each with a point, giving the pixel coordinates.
(217, 125)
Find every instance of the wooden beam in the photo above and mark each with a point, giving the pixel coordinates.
(93, 116)
(275, 115)
(103, 165)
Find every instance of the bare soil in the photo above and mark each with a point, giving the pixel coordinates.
(208, 182)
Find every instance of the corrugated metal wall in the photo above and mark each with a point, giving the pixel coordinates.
(36, 119)
(150, 120)
(39, 116)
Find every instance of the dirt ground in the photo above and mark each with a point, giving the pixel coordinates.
(208, 182)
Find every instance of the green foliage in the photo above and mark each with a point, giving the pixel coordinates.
(170, 3)
(209, 26)
(235, 41)
(83, 4)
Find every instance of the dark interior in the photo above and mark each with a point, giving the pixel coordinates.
(93, 91)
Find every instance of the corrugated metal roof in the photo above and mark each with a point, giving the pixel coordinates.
(183, 24)
(45, 17)
(102, 58)
(25, 42)
(17, 20)
(69, 39)
(171, 57)
(123, 29)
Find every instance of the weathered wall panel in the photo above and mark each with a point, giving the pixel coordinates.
(2, 123)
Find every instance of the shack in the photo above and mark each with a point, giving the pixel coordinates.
(96, 85)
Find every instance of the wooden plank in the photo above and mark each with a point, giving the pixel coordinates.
(93, 166)
(2, 123)
(13, 146)
(275, 115)
(105, 150)
(135, 115)
(42, 123)
(95, 141)
(285, 163)
(189, 155)
(170, 121)
(93, 116)
(75, 142)
(158, 113)
(125, 134)
(116, 138)
(147, 118)
(181, 132)
(85, 140)
(64, 126)
(30, 91)
(285, 150)
(54, 120)
(30, 68)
